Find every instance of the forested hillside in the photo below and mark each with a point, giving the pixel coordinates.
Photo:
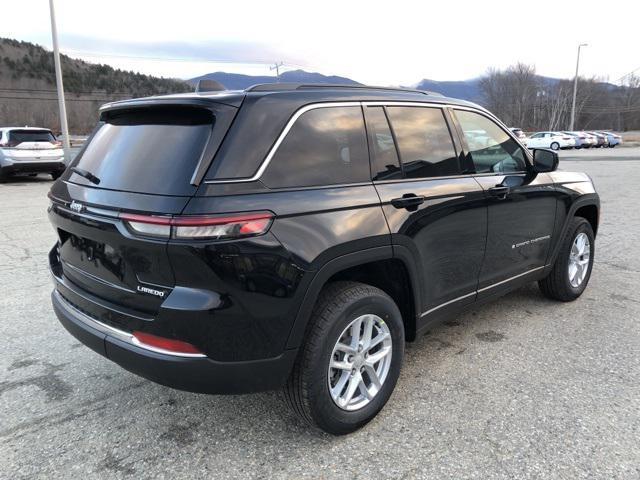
(28, 91)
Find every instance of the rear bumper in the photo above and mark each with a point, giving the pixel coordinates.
(191, 373)
(24, 166)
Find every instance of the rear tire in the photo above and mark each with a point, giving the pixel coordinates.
(560, 284)
(316, 387)
(56, 175)
(555, 146)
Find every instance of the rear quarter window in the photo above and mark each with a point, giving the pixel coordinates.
(325, 146)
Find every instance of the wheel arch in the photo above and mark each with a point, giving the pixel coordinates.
(591, 213)
(378, 267)
(587, 206)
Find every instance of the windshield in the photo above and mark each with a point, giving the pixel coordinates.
(150, 150)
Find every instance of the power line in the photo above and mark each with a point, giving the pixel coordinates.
(55, 99)
(42, 90)
(627, 75)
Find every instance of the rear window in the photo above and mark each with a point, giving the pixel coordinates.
(151, 150)
(19, 136)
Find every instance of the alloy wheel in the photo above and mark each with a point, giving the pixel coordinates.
(360, 362)
(579, 259)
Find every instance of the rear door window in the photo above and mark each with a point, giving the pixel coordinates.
(424, 141)
(150, 150)
(325, 146)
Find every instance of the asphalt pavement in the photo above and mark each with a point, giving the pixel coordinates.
(521, 388)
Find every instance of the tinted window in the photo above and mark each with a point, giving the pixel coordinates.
(384, 161)
(149, 151)
(424, 142)
(491, 148)
(325, 146)
(19, 136)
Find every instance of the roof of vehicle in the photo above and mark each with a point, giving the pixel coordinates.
(266, 110)
(299, 91)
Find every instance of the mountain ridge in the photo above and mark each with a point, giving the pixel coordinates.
(463, 89)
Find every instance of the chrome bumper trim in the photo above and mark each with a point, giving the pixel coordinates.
(115, 332)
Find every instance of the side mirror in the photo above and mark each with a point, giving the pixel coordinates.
(545, 160)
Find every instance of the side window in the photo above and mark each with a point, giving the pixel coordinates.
(425, 144)
(492, 150)
(325, 146)
(384, 159)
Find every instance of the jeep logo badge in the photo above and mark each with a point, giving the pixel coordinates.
(76, 206)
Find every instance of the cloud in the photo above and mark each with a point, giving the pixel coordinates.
(217, 51)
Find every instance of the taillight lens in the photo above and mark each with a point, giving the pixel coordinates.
(148, 225)
(217, 227)
(164, 344)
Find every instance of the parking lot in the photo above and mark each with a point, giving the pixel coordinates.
(521, 388)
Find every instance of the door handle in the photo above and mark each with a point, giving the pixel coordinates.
(410, 201)
(499, 191)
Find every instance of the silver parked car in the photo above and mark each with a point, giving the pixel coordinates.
(612, 138)
(30, 150)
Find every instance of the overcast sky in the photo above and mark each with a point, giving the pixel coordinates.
(386, 43)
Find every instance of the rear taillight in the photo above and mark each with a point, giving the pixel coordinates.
(217, 227)
(148, 225)
(161, 344)
(57, 143)
(9, 144)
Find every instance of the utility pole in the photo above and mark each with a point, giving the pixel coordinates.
(56, 58)
(276, 66)
(575, 89)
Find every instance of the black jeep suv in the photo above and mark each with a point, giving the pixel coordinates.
(295, 236)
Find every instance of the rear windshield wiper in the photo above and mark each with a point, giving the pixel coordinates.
(88, 175)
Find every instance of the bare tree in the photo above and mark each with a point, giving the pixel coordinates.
(523, 99)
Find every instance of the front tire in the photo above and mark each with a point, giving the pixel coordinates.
(351, 359)
(555, 146)
(572, 268)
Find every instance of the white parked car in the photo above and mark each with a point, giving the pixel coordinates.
(552, 140)
(30, 150)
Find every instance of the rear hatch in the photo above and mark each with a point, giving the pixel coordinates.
(140, 161)
(32, 145)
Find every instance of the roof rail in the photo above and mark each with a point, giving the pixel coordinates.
(278, 87)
